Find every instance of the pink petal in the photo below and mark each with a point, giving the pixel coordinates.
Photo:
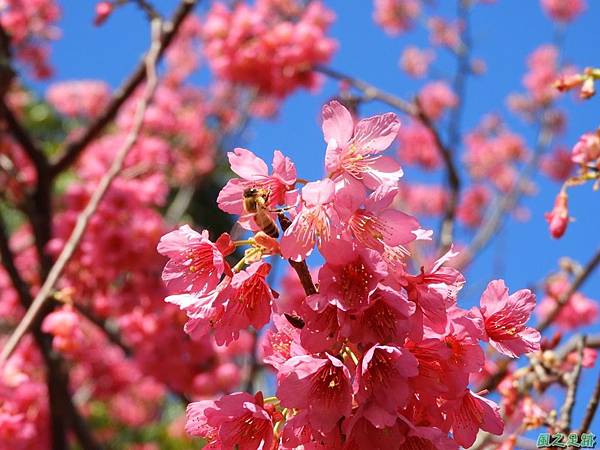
(283, 168)
(247, 165)
(337, 123)
(375, 134)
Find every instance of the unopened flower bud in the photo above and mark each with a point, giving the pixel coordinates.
(558, 218)
(103, 10)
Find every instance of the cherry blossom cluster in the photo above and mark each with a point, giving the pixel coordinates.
(369, 354)
(30, 25)
(260, 46)
(563, 10)
(396, 16)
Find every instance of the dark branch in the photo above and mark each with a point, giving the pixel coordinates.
(590, 410)
(572, 385)
(73, 149)
(300, 267)
(21, 135)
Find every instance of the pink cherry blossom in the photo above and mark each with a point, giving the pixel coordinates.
(417, 146)
(237, 302)
(557, 165)
(353, 150)
(435, 98)
(195, 264)
(381, 383)
(587, 149)
(563, 10)
(505, 318)
(237, 40)
(415, 62)
(396, 16)
(474, 413)
(348, 281)
(473, 205)
(578, 310)
(319, 385)
(79, 98)
(313, 223)
(237, 420)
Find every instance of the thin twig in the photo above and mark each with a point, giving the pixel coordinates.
(73, 149)
(563, 351)
(572, 385)
(180, 204)
(85, 216)
(60, 401)
(454, 124)
(300, 267)
(371, 92)
(8, 261)
(590, 410)
(22, 137)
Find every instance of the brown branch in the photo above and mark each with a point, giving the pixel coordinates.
(73, 149)
(60, 401)
(454, 124)
(412, 109)
(8, 261)
(571, 345)
(572, 385)
(371, 92)
(590, 410)
(300, 267)
(452, 178)
(89, 210)
(22, 137)
(577, 283)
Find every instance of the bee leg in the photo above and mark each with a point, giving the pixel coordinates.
(280, 210)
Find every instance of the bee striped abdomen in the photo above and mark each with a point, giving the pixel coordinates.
(269, 228)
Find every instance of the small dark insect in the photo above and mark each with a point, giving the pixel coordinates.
(296, 321)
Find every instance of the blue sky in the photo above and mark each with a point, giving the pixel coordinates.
(504, 34)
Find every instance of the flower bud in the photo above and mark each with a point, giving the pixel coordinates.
(558, 218)
(103, 10)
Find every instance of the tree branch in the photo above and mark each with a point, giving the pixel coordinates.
(590, 410)
(21, 135)
(85, 216)
(300, 267)
(572, 385)
(61, 404)
(73, 149)
(454, 124)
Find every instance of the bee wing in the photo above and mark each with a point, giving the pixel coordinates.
(236, 232)
(244, 224)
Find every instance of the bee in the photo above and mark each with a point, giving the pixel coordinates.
(255, 202)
